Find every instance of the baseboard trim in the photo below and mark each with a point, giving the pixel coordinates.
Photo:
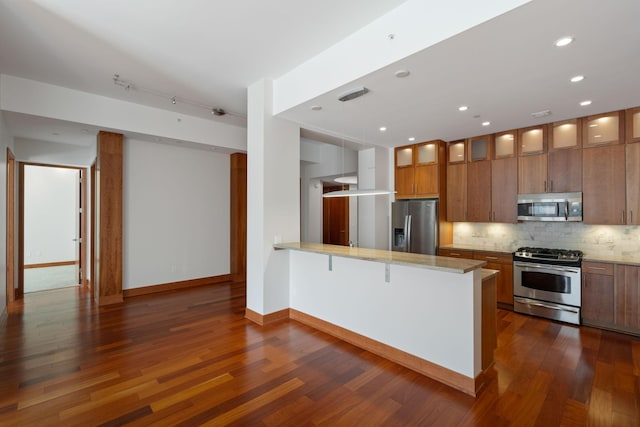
(173, 286)
(51, 264)
(265, 319)
(470, 386)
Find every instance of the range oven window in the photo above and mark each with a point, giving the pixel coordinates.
(546, 282)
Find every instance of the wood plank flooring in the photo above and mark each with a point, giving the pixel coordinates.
(190, 358)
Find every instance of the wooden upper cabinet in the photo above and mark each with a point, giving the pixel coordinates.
(504, 190)
(603, 129)
(456, 152)
(457, 192)
(633, 184)
(632, 120)
(565, 135)
(504, 144)
(479, 192)
(603, 185)
(417, 169)
(404, 171)
(479, 148)
(564, 171)
(532, 140)
(532, 174)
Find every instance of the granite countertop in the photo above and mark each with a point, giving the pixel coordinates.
(502, 249)
(452, 265)
(488, 274)
(612, 259)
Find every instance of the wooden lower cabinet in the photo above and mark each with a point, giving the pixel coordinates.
(627, 298)
(500, 261)
(456, 253)
(597, 294)
(504, 263)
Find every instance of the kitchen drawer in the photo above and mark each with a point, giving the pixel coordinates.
(494, 257)
(603, 268)
(456, 253)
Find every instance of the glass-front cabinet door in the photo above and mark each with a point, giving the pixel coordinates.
(603, 129)
(633, 125)
(479, 148)
(457, 152)
(532, 140)
(564, 135)
(504, 144)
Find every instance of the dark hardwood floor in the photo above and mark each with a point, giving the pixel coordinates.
(190, 358)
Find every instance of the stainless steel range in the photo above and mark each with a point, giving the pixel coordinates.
(547, 283)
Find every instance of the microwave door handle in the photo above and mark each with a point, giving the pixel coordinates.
(566, 210)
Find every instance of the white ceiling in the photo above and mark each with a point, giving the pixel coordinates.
(209, 51)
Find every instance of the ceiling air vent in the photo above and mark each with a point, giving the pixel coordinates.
(353, 93)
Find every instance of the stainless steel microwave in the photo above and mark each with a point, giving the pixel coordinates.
(550, 207)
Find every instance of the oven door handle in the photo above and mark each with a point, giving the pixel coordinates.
(546, 267)
(552, 307)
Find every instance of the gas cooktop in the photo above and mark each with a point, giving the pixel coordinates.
(550, 256)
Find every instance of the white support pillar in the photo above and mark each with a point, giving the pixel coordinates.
(273, 200)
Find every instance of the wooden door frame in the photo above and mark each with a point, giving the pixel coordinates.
(11, 226)
(19, 291)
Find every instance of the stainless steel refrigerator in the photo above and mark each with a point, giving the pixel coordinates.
(414, 226)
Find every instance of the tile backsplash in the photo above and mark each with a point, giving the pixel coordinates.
(604, 240)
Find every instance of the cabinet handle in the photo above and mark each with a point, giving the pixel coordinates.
(454, 254)
(489, 215)
(595, 268)
(545, 186)
(622, 217)
(491, 257)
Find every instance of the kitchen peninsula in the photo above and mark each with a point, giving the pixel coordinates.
(435, 315)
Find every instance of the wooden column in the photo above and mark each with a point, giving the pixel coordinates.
(238, 202)
(107, 271)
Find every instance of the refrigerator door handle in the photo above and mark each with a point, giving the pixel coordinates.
(408, 228)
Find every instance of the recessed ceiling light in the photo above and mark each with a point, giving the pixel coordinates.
(412, 139)
(564, 41)
(585, 103)
(55, 134)
(402, 73)
(463, 108)
(486, 123)
(382, 129)
(316, 107)
(576, 79)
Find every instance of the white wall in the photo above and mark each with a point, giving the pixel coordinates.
(175, 213)
(50, 214)
(6, 140)
(56, 102)
(273, 200)
(46, 152)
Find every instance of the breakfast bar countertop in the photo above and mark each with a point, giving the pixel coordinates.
(432, 262)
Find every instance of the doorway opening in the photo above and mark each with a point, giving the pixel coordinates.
(335, 218)
(52, 227)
